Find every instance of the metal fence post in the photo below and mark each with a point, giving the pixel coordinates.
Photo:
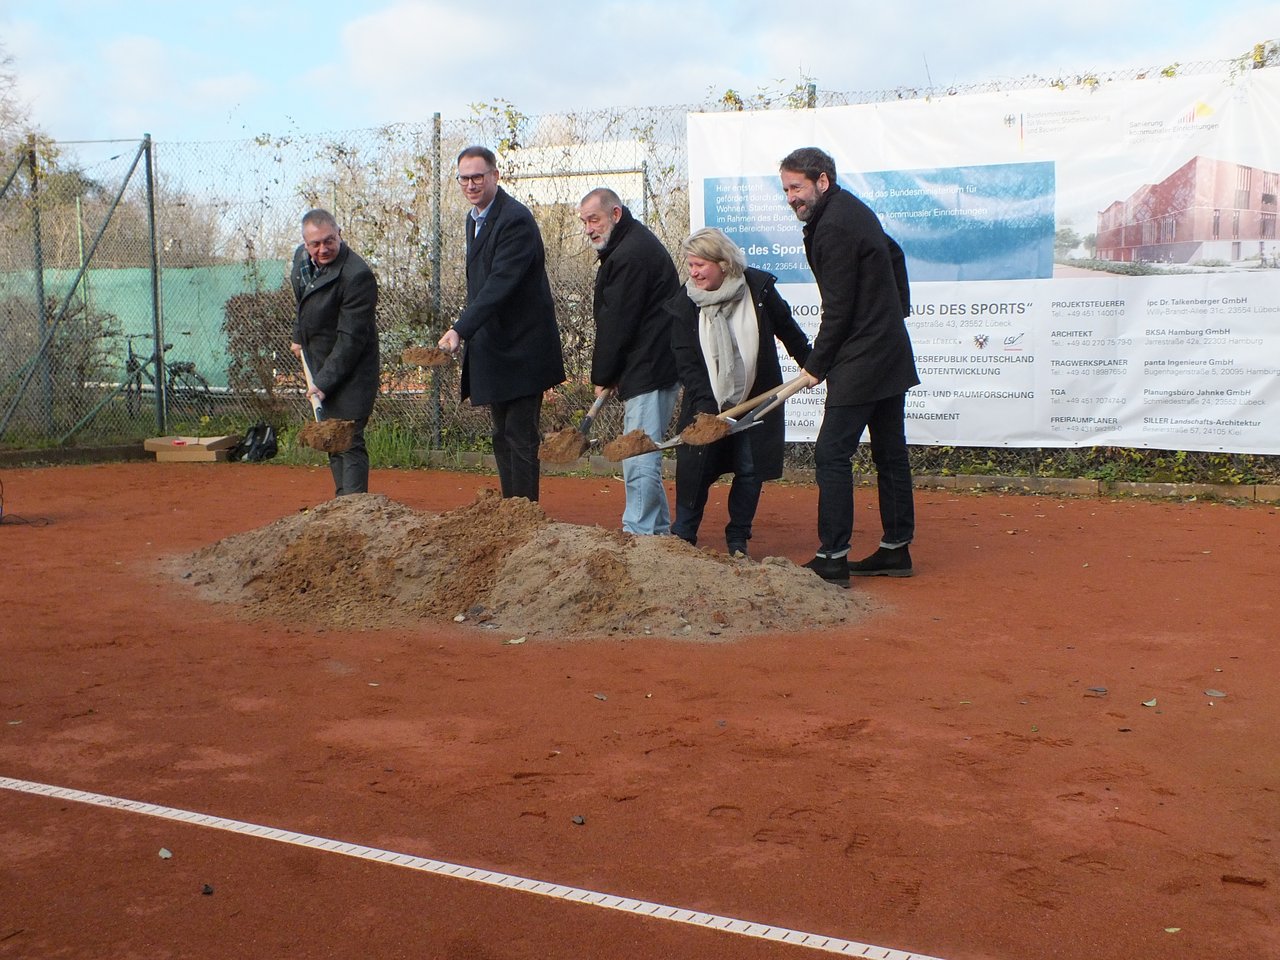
(157, 320)
(44, 399)
(437, 301)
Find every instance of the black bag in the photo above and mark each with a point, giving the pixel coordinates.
(259, 443)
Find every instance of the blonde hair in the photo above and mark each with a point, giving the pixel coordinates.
(711, 244)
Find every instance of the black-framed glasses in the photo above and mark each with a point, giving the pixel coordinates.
(476, 178)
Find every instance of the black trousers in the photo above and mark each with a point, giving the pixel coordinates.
(693, 485)
(515, 445)
(350, 468)
(838, 438)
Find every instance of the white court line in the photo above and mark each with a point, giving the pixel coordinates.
(813, 941)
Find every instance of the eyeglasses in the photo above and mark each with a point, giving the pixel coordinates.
(475, 179)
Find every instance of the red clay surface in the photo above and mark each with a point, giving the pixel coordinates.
(938, 778)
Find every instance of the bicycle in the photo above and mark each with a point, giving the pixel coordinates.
(188, 395)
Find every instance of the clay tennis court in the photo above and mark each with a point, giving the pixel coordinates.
(1010, 755)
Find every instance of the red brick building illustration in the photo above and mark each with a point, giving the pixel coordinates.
(1205, 210)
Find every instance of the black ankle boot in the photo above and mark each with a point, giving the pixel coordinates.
(831, 569)
(885, 562)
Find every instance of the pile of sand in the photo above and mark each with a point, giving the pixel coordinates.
(367, 561)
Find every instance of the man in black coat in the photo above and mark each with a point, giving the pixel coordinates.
(863, 352)
(632, 354)
(509, 324)
(336, 331)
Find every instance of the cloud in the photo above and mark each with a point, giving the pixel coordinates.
(416, 57)
(220, 94)
(188, 72)
(413, 57)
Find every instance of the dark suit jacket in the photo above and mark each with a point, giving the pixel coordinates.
(862, 348)
(773, 315)
(509, 324)
(337, 328)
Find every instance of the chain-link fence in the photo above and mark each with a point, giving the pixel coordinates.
(146, 291)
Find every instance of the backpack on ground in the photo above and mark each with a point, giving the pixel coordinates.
(259, 443)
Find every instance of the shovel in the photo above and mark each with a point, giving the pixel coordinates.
(708, 429)
(567, 445)
(327, 436)
(426, 357)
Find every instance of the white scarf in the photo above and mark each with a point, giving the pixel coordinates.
(729, 337)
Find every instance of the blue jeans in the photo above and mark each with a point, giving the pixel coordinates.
(837, 443)
(647, 511)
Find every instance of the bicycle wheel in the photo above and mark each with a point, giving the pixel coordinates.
(190, 396)
(133, 389)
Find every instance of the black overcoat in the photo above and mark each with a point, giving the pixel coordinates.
(773, 316)
(337, 328)
(509, 324)
(862, 348)
(635, 280)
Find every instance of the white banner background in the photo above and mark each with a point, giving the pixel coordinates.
(1014, 350)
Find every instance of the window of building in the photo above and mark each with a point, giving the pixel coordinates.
(1244, 178)
(1270, 187)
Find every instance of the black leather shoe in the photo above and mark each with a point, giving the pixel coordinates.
(739, 549)
(831, 569)
(885, 562)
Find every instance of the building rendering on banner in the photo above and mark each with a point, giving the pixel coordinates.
(1205, 210)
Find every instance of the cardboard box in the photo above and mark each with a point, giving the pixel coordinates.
(190, 449)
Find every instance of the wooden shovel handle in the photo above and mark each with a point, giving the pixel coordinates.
(780, 393)
(595, 409)
(306, 373)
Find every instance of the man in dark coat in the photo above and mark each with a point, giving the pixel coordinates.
(863, 352)
(632, 354)
(336, 331)
(509, 324)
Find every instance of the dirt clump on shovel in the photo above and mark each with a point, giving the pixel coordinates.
(426, 357)
(328, 436)
(365, 561)
(705, 429)
(563, 446)
(628, 445)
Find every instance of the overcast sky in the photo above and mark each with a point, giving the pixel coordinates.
(91, 69)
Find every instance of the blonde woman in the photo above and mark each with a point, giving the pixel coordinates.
(724, 325)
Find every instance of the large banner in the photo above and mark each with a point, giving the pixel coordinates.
(1092, 265)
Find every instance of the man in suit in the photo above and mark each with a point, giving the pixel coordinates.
(336, 331)
(863, 352)
(632, 354)
(509, 324)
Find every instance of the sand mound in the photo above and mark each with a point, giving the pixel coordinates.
(367, 561)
